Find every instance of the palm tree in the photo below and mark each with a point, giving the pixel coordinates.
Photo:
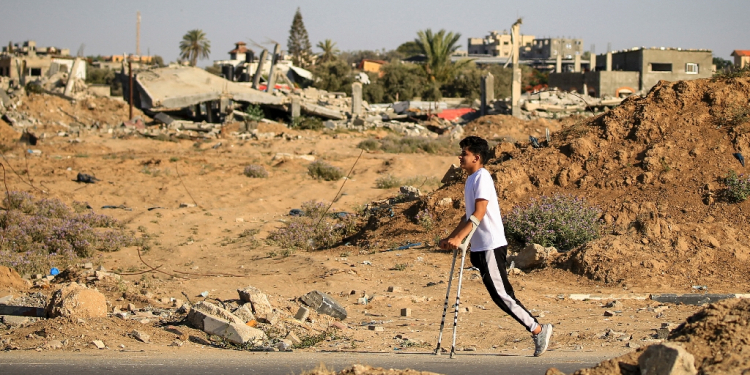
(329, 50)
(438, 48)
(194, 45)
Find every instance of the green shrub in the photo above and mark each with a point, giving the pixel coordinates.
(324, 171)
(305, 122)
(562, 221)
(313, 231)
(387, 182)
(738, 187)
(425, 219)
(410, 145)
(255, 171)
(255, 112)
(369, 145)
(37, 235)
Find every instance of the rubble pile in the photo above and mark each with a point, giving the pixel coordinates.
(713, 341)
(252, 321)
(655, 166)
(558, 104)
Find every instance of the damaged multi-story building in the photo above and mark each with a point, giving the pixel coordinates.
(19, 62)
(622, 73)
(541, 54)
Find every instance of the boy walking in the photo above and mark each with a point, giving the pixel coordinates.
(489, 248)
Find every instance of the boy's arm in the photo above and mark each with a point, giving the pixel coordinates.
(464, 228)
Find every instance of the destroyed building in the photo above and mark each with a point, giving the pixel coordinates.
(622, 73)
(498, 44)
(17, 62)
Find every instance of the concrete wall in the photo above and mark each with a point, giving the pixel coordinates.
(741, 61)
(566, 81)
(679, 61)
(600, 84)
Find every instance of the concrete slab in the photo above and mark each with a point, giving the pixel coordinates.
(691, 299)
(179, 87)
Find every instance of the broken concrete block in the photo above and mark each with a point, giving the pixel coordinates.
(338, 325)
(302, 314)
(237, 333)
(74, 300)
(15, 321)
(259, 302)
(534, 255)
(666, 359)
(375, 328)
(245, 312)
(447, 201)
(410, 192)
(406, 312)
(203, 309)
(293, 338)
(141, 336)
(362, 300)
(394, 289)
(324, 304)
(98, 344)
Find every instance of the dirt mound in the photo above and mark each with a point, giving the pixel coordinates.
(654, 165)
(718, 337)
(511, 129)
(8, 136)
(10, 279)
(53, 112)
(366, 370)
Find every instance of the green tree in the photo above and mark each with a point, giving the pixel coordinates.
(438, 48)
(409, 48)
(722, 64)
(194, 45)
(401, 81)
(329, 51)
(333, 76)
(299, 44)
(159, 61)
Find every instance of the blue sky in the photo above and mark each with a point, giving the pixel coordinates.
(108, 27)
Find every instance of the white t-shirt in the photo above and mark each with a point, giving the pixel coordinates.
(490, 234)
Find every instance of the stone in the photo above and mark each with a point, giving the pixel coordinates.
(394, 289)
(176, 302)
(284, 345)
(131, 307)
(177, 343)
(99, 344)
(54, 344)
(362, 301)
(74, 300)
(259, 302)
(534, 255)
(293, 338)
(453, 174)
(666, 359)
(141, 336)
(410, 192)
(609, 313)
(15, 321)
(338, 325)
(324, 304)
(245, 312)
(447, 201)
(88, 265)
(302, 314)
(375, 328)
(406, 312)
(203, 309)
(236, 333)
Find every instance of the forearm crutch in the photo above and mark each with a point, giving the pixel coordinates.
(463, 247)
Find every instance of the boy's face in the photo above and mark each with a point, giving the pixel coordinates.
(469, 161)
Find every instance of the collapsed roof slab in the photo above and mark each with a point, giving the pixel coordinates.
(179, 87)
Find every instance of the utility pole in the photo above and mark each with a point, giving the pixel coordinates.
(138, 35)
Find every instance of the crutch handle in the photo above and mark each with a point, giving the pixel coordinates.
(474, 225)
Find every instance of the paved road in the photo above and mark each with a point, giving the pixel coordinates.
(217, 361)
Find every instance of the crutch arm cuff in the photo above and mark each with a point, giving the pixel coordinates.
(474, 220)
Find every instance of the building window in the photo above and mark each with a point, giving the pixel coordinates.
(568, 46)
(35, 72)
(661, 67)
(691, 68)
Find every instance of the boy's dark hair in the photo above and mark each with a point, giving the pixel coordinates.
(478, 146)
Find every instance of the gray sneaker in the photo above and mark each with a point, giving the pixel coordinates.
(541, 341)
